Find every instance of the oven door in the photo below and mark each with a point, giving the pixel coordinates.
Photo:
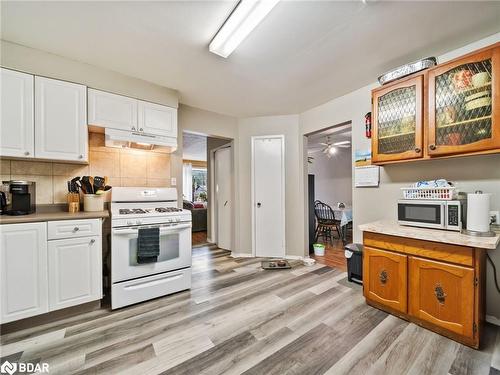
(175, 252)
(427, 214)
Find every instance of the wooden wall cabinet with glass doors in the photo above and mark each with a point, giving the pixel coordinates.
(398, 120)
(454, 109)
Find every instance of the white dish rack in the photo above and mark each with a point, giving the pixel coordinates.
(441, 193)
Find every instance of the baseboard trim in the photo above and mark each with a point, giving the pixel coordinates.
(241, 255)
(209, 240)
(493, 320)
(294, 257)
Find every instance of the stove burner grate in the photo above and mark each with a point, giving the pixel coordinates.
(168, 209)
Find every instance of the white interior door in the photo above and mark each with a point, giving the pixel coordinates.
(268, 200)
(223, 194)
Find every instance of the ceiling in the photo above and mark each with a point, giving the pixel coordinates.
(303, 54)
(338, 133)
(194, 147)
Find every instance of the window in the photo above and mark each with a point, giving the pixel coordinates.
(199, 184)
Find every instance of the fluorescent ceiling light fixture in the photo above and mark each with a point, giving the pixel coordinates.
(341, 143)
(244, 18)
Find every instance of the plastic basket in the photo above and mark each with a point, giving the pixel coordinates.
(442, 193)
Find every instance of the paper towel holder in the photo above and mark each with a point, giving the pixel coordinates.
(476, 233)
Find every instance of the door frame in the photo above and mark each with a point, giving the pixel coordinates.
(214, 214)
(252, 179)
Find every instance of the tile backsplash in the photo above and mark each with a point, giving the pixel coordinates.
(124, 167)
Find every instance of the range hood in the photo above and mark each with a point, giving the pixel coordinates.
(139, 140)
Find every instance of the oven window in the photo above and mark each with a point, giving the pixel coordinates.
(169, 249)
(420, 213)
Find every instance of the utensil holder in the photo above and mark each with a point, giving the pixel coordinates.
(73, 202)
(93, 202)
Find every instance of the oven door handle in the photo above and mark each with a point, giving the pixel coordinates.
(166, 229)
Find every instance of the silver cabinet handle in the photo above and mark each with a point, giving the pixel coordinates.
(76, 229)
(81, 156)
(133, 127)
(92, 241)
(141, 129)
(26, 153)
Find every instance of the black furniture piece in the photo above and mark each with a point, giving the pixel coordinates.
(354, 255)
(326, 222)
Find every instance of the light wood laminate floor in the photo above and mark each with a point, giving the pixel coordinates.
(238, 319)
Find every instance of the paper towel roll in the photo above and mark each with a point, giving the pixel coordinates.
(478, 212)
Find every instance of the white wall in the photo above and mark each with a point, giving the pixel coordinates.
(470, 173)
(271, 125)
(34, 61)
(332, 176)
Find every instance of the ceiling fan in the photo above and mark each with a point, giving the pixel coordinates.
(331, 148)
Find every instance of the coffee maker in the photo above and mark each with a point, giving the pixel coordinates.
(22, 198)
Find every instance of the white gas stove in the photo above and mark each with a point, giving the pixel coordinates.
(133, 210)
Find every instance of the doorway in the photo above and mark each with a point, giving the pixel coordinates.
(223, 190)
(268, 195)
(329, 167)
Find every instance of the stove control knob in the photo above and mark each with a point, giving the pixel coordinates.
(130, 222)
(170, 220)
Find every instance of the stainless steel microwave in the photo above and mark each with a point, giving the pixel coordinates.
(439, 214)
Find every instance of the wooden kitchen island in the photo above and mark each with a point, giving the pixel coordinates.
(434, 278)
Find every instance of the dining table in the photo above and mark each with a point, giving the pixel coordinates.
(344, 215)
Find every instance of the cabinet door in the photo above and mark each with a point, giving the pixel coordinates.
(17, 126)
(442, 294)
(157, 119)
(398, 121)
(74, 271)
(464, 104)
(112, 111)
(60, 120)
(385, 278)
(23, 265)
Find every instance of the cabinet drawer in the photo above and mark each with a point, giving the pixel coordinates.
(385, 278)
(442, 294)
(73, 228)
(426, 249)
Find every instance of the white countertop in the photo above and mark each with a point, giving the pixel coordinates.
(392, 228)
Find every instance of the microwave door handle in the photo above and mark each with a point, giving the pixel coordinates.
(444, 216)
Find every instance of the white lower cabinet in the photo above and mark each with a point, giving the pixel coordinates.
(23, 266)
(40, 275)
(74, 271)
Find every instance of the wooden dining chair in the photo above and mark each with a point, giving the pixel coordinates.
(326, 222)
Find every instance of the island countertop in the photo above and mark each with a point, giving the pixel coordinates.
(392, 228)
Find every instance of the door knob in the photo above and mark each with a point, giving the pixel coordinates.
(259, 204)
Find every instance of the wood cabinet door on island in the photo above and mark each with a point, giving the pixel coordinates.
(442, 294)
(398, 120)
(385, 275)
(464, 104)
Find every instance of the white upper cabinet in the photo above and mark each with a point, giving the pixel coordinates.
(23, 270)
(60, 120)
(16, 127)
(112, 111)
(157, 119)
